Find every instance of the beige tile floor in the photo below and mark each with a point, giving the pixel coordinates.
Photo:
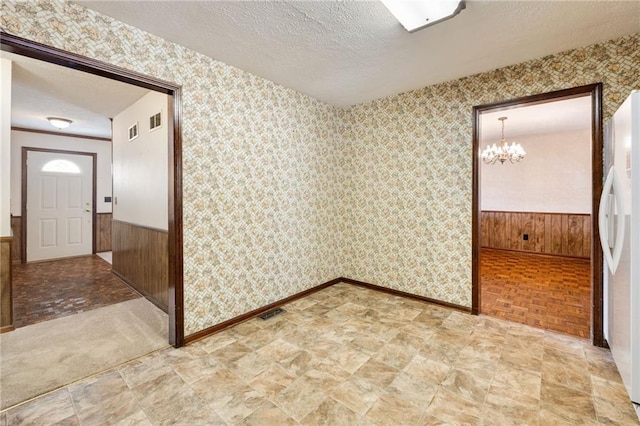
(351, 356)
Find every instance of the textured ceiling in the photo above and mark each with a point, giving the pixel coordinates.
(552, 117)
(349, 52)
(40, 90)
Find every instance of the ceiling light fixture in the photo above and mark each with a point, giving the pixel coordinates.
(415, 15)
(59, 123)
(504, 152)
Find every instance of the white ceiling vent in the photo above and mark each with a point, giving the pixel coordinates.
(155, 121)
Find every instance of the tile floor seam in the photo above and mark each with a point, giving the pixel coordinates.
(593, 399)
(73, 404)
(119, 370)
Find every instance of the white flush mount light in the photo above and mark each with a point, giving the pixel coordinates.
(417, 14)
(59, 123)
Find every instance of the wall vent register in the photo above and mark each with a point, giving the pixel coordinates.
(271, 313)
(133, 132)
(155, 121)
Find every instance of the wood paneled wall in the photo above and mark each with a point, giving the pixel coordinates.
(103, 232)
(16, 245)
(562, 234)
(6, 286)
(140, 257)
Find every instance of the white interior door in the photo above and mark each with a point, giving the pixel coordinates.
(59, 205)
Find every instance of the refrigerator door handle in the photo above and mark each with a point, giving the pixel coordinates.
(611, 211)
(604, 218)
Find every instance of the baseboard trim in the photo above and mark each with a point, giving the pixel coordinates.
(534, 253)
(146, 296)
(404, 294)
(244, 317)
(6, 329)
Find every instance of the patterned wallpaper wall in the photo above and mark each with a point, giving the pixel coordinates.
(260, 216)
(282, 192)
(408, 195)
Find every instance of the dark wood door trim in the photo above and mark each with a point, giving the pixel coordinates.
(595, 92)
(24, 188)
(24, 47)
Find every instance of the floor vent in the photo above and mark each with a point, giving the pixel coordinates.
(272, 313)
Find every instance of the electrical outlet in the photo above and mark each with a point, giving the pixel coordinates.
(525, 237)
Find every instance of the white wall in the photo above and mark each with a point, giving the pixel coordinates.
(40, 140)
(140, 166)
(5, 146)
(555, 176)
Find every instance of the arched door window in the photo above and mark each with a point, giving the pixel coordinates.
(61, 166)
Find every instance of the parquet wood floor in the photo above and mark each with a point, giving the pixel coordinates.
(47, 290)
(549, 292)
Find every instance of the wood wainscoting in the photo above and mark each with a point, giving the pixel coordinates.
(563, 234)
(140, 258)
(6, 286)
(16, 245)
(103, 232)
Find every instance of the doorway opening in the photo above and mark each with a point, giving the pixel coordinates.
(27, 48)
(522, 240)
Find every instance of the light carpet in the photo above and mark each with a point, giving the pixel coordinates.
(41, 357)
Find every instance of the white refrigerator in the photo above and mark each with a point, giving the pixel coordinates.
(619, 225)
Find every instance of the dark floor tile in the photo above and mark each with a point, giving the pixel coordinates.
(47, 290)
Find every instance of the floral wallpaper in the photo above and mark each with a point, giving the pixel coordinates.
(408, 159)
(260, 192)
(283, 192)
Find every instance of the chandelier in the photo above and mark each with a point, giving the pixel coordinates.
(504, 152)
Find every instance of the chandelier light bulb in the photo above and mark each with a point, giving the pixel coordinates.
(492, 154)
